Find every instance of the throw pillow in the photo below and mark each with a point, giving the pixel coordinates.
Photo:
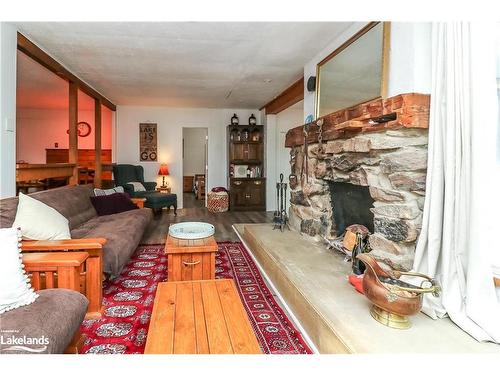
(15, 288)
(101, 192)
(112, 204)
(137, 186)
(39, 221)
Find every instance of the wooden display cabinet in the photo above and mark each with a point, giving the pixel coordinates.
(246, 154)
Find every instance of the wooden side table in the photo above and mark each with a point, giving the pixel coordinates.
(93, 276)
(165, 190)
(55, 270)
(190, 259)
(139, 202)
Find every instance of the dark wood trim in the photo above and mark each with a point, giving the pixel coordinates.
(73, 130)
(97, 143)
(36, 53)
(292, 95)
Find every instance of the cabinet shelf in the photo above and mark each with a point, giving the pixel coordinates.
(240, 161)
(246, 142)
(247, 178)
(244, 126)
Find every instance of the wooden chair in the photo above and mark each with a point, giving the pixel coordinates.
(91, 275)
(200, 186)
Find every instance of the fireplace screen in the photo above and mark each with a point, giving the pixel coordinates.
(351, 205)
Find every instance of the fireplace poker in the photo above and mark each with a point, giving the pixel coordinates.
(306, 151)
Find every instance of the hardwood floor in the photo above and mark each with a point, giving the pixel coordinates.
(157, 231)
(191, 202)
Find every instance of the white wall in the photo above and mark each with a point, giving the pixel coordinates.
(280, 162)
(270, 159)
(409, 59)
(8, 60)
(38, 129)
(286, 120)
(170, 123)
(194, 151)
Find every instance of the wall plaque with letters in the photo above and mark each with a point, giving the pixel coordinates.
(148, 144)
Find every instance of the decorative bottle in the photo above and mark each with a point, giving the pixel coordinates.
(358, 267)
(234, 120)
(252, 120)
(248, 172)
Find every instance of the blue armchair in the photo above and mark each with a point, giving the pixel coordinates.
(126, 173)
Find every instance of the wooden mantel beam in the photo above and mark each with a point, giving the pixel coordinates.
(36, 53)
(292, 95)
(409, 110)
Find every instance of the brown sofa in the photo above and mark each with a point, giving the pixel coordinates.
(56, 316)
(122, 231)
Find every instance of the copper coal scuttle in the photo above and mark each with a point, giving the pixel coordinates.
(393, 299)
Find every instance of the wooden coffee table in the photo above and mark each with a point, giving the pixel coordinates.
(190, 259)
(200, 317)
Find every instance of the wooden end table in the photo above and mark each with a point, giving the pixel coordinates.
(200, 317)
(165, 190)
(190, 259)
(55, 270)
(139, 202)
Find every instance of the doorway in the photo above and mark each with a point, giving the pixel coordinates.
(194, 166)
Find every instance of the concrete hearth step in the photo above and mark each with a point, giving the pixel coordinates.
(313, 283)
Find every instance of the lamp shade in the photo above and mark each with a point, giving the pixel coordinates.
(163, 170)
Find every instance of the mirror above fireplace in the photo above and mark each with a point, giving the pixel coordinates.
(355, 72)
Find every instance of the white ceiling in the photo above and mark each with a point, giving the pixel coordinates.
(185, 64)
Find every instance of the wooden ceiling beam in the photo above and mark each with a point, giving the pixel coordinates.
(32, 50)
(292, 95)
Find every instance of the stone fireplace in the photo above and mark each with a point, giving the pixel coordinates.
(351, 204)
(364, 173)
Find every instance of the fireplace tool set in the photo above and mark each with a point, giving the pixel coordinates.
(280, 219)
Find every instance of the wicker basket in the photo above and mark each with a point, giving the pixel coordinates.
(218, 202)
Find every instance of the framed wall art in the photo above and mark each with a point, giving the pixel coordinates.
(148, 144)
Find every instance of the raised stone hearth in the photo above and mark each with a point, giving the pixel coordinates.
(391, 162)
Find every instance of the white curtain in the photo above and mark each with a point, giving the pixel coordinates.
(461, 229)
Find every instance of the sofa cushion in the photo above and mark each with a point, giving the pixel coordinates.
(8, 209)
(85, 228)
(39, 221)
(123, 233)
(112, 204)
(56, 315)
(73, 202)
(138, 186)
(15, 287)
(101, 192)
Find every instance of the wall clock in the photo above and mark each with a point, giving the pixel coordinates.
(83, 129)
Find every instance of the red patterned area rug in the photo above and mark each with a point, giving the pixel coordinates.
(128, 303)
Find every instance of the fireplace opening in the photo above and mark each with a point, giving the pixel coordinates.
(351, 205)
